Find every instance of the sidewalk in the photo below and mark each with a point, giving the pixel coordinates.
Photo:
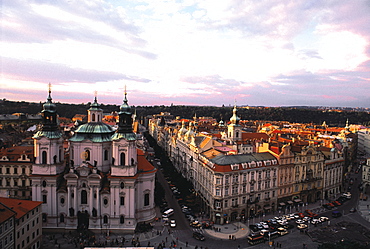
(364, 209)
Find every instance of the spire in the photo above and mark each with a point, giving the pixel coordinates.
(234, 119)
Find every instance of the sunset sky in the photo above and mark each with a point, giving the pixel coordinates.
(186, 52)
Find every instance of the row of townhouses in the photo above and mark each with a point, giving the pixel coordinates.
(241, 174)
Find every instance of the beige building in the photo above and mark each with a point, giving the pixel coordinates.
(15, 168)
(27, 223)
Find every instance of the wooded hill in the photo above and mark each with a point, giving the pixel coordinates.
(291, 114)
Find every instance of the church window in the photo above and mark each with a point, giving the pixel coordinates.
(61, 218)
(105, 219)
(105, 155)
(87, 155)
(105, 201)
(44, 217)
(44, 157)
(44, 184)
(84, 185)
(44, 198)
(122, 185)
(93, 117)
(62, 200)
(122, 200)
(237, 134)
(15, 170)
(146, 199)
(83, 197)
(121, 219)
(122, 159)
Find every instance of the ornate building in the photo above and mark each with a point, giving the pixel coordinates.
(101, 181)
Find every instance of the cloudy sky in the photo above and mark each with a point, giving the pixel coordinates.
(187, 52)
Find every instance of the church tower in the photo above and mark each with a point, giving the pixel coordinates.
(124, 144)
(49, 154)
(234, 130)
(48, 142)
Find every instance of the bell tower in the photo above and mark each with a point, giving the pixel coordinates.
(124, 143)
(48, 142)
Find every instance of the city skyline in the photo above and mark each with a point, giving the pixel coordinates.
(313, 53)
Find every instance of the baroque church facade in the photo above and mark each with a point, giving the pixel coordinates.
(98, 178)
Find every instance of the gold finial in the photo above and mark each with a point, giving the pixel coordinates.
(49, 87)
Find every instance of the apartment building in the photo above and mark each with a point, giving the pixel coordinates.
(7, 231)
(15, 168)
(27, 222)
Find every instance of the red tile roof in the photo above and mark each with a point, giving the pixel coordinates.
(5, 213)
(21, 207)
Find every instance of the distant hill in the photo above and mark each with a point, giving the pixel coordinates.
(315, 115)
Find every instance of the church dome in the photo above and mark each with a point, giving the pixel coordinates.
(95, 131)
(125, 108)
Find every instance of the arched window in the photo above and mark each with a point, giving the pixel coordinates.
(122, 159)
(93, 117)
(121, 219)
(83, 197)
(44, 157)
(61, 218)
(44, 183)
(105, 219)
(146, 199)
(105, 155)
(87, 155)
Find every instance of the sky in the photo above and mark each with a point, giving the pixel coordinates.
(187, 52)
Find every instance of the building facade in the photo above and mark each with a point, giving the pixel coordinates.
(27, 224)
(102, 181)
(15, 168)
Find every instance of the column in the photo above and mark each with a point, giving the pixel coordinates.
(68, 198)
(75, 199)
(91, 193)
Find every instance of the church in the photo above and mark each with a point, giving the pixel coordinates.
(98, 178)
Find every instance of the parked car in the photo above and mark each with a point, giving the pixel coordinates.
(336, 214)
(352, 210)
(198, 236)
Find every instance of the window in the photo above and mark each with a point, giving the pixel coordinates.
(218, 204)
(218, 192)
(226, 179)
(44, 217)
(62, 200)
(226, 203)
(44, 184)
(87, 155)
(122, 159)
(83, 197)
(235, 178)
(234, 202)
(44, 157)
(122, 200)
(218, 181)
(23, 183)
(61, 218)
(44, 198)
(235, 190)
(8, 170)
(15, 170)
(146, 199)
(15, 183)
(23, 170)
(226, 191)
(122, 185)
(105, 201)
(121, 219)
(105, 219)
(105, 155)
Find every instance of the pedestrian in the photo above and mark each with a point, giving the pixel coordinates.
(186, 243)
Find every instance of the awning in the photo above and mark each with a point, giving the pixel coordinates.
(282, 204)
(297, 200)
(290, 202)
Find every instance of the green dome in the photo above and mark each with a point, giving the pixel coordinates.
(95, 131)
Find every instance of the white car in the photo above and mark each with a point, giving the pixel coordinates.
(172, 223)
